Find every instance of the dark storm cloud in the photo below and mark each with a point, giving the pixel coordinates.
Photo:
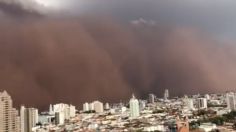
(21, 8)
(215, 16)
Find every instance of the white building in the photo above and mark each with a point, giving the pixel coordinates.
(107, 107)
(123, 109)
(189, 103)
(86, 107)
(51, 110)
(166, 94)
(91, 106)
(151, 98)
(142, 104)
(8, 116)
(98, 106)
(202, 103)
(22, 118)
(230, 99)
(15, 121)
(29, 118)
(59, 118)
(134, 107)
(207, 96)
(68, 110)
(72, 111)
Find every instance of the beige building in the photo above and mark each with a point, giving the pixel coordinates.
(9, 119)
(98, 106)
(15, 121)
(29, 118)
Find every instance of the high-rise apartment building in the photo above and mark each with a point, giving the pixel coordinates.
(190, 104)
(166, 94)
(134, 107)
(230, 100)
(91, 106)
(59, 118)
(51, 110)
(28, 118)
(86, 107)
(142, 104)
(202, 103)
(67, 110)
(22, 119)
(15, 121)
(151, 98)
(107, 106)
(98, 106)
(9, 119)
(72, 111)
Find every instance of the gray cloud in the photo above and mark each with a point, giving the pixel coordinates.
(17, 8)
(216, 17)
(142, 21)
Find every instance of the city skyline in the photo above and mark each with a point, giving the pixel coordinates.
(189, 113)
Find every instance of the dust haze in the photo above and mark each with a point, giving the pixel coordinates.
(73, 60)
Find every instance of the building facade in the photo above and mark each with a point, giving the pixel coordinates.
(9, 119)
(86, 107)
(134, 107)
(28, 118)
(230, 100)
(151, 98)
(202, 103)
(166, 94)
(98, 106)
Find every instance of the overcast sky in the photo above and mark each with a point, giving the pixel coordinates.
(215, 16)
